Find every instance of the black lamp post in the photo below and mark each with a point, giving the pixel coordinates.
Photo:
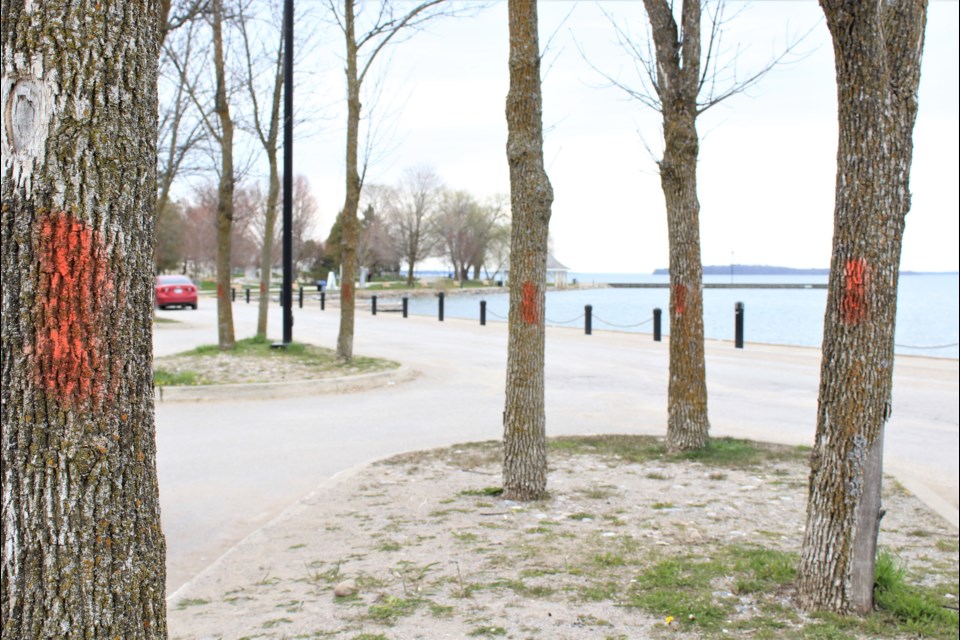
(287, 171)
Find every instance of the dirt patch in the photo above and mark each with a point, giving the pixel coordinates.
(433, 552)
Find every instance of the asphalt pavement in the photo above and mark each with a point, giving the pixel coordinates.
(227, 467)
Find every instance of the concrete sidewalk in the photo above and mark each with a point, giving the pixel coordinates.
(228, 467)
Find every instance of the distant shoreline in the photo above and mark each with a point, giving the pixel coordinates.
(768, 270)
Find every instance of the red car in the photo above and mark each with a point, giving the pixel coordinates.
(176, 291)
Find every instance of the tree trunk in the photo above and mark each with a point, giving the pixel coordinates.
(273, 193)
(877, 48)
(266, 251)
(225, 335)
(81, 544)
(348, 255)
(531, 196)
(678, 85)
(687, 423)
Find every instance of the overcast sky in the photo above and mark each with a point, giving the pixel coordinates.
(767, 158)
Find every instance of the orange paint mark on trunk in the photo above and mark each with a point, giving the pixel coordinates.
(347, 293)
(75, 285)
(853, 301)
(219, 292)
(679, 299)
(529, 310)
(262, 287)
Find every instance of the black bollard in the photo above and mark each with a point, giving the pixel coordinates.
(373, 305)
(738, 325)
(440, 295)
(301, 297)
(323, 300)
(406, 302)
(483, 313)
(588, 319)
(657, 317)
(233, 294)
(280, 297)
(247, 292)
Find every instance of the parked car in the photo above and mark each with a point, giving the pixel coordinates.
(176, 291)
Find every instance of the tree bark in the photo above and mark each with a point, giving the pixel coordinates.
(678, 85)
(531, 196)
(877, 50)
(225, 334)
(81, 544)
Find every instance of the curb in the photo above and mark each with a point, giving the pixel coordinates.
(271, 390)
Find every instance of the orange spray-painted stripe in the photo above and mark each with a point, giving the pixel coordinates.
(75, 284)
(529, 309)
(853, 301)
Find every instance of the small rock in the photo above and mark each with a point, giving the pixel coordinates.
(345, 588)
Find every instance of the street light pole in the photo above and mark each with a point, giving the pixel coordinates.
(287, 171)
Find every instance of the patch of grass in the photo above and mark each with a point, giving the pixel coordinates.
(720, 452)
(315, 360)
(915, 609)
(465, 536)
(950, 545)
(388, 609)
(157, 320)
(164, 378)
(390, 545)
(269, 624)
(608, 559)
(191, 602)
(440, 610)
(487, 631)
(601, 591)
(656, 475)
(662, 505)
(738, 454)
(581, 516)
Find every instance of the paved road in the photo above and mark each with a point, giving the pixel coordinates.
(228, 468)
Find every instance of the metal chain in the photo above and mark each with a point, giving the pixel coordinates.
(622, 326)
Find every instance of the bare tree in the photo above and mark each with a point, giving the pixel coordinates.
(200, 237)
(877, 51)
(463, 230)
(304, 216)
(452, 229)
(266, 127)
(81, 545)
(531, 196)
(681, 80)
(180, 130)
(376, 250)
(362, 48)
(409, 220)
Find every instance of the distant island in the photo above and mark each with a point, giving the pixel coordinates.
(768, 270)
(752, 270)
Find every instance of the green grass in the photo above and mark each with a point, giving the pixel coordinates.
(191, 602)
(719, 452)
(164, 378)
(316, 358)
(390, 608)
(916, 609)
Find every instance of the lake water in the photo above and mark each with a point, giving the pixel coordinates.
(928, 313)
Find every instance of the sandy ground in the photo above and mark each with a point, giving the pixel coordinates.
(431, 554)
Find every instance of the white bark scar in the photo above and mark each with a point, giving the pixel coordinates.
(27, 106)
